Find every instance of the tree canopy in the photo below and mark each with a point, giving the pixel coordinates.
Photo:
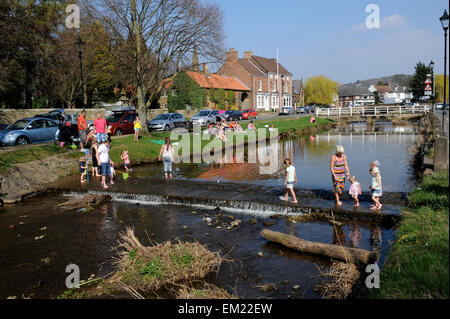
(185, 91)
(320, 90)
(417, 82)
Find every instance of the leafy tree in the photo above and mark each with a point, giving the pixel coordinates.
(230, 99)
(439, 86)
(185, 91)
(320, 90)
(377, 97)
(417, 82)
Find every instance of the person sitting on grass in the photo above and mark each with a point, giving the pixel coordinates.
(251, 126)
(312, 119)
(238, 128)
(83, 169)
(220, 133)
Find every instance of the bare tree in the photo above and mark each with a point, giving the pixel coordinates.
(157, 37)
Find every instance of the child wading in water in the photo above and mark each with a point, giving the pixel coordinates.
(111, 170)
(376, 187)
(291, 179)
(83, 169)
(126, 159)
(355, 190)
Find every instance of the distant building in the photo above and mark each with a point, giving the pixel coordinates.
(392, 95)
(298, 92)
(353, 95)
(269, 82)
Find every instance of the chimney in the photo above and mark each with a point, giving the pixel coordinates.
(248, 54)
(205, 68)
(232, 55)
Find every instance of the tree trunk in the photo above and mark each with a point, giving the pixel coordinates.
(334, 251)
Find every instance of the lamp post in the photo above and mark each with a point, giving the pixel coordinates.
(431, 66)
(281, 91)
(444, 21)
(80, 45)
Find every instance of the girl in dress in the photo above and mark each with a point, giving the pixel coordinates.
(355, 190)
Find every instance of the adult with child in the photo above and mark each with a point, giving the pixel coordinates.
(101, 128)
(103, 159)
(338, 166)
(167, 156)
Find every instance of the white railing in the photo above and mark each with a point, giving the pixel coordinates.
(372, 111)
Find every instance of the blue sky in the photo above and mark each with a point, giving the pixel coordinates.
(329, 37)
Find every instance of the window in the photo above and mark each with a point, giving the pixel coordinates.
(174, 92)
(285, 87)
(274, 86)
(259, 85)
(164, 93)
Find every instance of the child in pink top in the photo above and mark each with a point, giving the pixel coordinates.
(355, 190)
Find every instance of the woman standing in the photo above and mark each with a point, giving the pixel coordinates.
(167, 154)
(137, 127)
(94, 148)
(338, 166)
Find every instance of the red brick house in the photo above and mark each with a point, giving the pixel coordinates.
(270, 84)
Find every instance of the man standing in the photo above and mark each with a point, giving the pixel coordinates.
(100, 127)
(82, 129)
(104, 162)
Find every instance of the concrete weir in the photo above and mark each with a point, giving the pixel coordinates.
(258, 208)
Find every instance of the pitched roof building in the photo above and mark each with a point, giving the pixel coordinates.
(270, 83)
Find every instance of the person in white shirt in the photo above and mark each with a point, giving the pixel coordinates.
(167, 155)
(103, 160)
(290, 180)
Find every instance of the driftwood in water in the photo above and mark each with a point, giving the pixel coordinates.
(89, 200)
(334, 251)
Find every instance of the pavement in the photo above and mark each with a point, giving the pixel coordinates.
(438, 113)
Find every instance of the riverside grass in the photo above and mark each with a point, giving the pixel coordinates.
(418, 265)
(144, 149)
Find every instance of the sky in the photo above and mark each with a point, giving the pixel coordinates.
(330, 37)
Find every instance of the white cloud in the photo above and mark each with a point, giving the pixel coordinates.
(391, 22)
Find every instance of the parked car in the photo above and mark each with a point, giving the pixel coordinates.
(205, 117)
(52, 114)
(303, 110)
(166, 122)
(121, 122)
(234, 115)
(29, 131)
(287, 110)
(249, 113)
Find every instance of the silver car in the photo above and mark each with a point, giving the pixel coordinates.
(29, 131)
(205, 117)
(167, 122)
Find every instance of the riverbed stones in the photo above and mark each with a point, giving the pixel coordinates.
(236, 223)
(260, 254)
(267, 287)
(253, 221)
(268, 223)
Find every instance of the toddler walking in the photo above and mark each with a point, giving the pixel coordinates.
(355, 190)
(83, 169)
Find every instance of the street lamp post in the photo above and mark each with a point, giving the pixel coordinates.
(431, 66)
(444, 21)
(80, 45)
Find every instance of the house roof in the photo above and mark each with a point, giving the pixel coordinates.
(215, 81)
(250, 67)
(353, 90)
(383, 88)
(270, 65)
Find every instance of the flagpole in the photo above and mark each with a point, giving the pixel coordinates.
(278, 81)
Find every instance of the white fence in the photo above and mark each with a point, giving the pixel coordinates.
(372, 111)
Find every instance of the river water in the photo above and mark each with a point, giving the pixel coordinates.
(31, 266)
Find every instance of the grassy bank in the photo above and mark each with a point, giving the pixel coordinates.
(38, 152)
(418, 266)
(144, 149)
